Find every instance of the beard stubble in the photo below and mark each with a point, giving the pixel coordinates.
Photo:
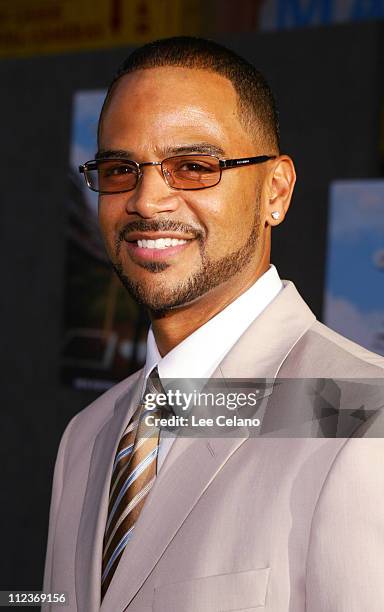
(159, 298)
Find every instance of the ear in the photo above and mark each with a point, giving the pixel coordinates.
(279, 187)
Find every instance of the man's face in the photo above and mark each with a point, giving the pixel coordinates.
(154, 114)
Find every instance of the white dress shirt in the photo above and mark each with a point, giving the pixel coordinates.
(217, 336)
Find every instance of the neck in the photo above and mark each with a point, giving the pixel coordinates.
(174, 326)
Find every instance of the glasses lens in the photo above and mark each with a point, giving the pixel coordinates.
(191, 171)
(111, 176)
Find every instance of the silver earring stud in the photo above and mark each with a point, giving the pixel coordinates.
(276, 215)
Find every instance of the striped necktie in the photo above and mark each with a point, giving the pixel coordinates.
(133, 475)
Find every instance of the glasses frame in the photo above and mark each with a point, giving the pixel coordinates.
(224, 164)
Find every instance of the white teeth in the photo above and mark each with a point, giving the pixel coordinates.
(160, 243)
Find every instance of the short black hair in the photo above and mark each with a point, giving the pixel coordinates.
(256, 104)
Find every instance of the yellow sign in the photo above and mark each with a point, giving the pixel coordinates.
(55, 26)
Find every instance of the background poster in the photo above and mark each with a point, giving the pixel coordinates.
(354, 292)
(105, 331)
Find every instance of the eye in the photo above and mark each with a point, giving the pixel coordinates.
(117, 170)
(193, 167)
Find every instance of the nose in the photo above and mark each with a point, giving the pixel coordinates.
(152, 195)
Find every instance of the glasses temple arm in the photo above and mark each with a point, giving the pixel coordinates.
(245, 161)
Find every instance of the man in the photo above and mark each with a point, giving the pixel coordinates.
(191, 182)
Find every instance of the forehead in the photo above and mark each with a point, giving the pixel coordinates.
(173, 103)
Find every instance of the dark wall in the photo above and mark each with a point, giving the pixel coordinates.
(327, 85)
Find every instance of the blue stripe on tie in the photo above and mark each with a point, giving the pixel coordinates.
(119, 548)
(131, 478)
(123, 453)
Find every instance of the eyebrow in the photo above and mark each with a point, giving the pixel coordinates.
(200, 147)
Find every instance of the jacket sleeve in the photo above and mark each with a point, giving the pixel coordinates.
(345, 564)
(57, 486)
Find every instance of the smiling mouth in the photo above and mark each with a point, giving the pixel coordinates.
(151, 248)
(159, 243)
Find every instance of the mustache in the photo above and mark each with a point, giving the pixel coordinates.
(158, 225)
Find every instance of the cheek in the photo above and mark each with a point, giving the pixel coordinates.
(230, 214)
(108, 213)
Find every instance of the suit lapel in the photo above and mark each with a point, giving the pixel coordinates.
(189, 468)
(261, 350)
(95, 507)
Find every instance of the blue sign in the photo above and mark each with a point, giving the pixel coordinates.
(286, 14)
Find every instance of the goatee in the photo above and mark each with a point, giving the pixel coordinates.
(158, 297)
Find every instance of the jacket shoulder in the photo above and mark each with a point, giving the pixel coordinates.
(322, 352)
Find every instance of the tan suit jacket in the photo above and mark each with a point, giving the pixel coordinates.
(244, 524)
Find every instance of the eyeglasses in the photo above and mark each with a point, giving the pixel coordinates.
(187, 172)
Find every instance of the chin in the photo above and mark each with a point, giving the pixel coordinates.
(161, 298)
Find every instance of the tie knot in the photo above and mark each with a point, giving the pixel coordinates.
(154, 387)
(154, 383)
